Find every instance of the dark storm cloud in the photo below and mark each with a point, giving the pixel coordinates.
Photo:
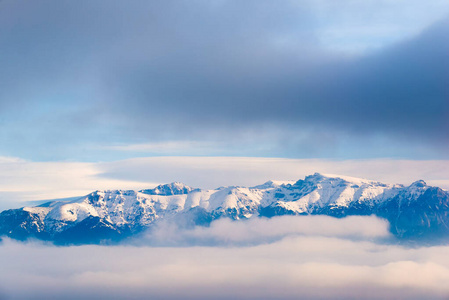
(148, 71)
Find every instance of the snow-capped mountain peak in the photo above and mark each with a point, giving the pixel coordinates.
(418, 184)
(415, 190)
(114, 212)
(273, 184)
(174, 188)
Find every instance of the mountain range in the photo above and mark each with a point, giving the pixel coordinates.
(415, 212)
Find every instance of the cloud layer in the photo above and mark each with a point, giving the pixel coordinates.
(310, 262)
(256, 231)
(86, 81)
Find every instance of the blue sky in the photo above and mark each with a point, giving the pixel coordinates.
(90, 81)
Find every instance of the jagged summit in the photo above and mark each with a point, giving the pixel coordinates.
(320, 177)
(419, 184)
(273, 184)
(415, 210)
(174, 188)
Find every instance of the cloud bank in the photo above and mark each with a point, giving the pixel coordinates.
(256, 231)
(313, 262)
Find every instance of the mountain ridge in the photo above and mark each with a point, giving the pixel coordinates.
(417, 211)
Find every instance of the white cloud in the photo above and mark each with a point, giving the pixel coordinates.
(262, 230)
(10, 159)
(312, 265)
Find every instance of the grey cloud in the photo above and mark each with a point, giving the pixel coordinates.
(76, 73)
(401, 91)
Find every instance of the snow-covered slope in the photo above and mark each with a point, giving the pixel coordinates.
(118, 213)
(317, 192)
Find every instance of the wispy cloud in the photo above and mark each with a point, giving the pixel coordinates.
(167, 147)
(10, 159)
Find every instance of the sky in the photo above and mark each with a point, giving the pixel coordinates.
(131, 94)
(84, 81)
(211, 93)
